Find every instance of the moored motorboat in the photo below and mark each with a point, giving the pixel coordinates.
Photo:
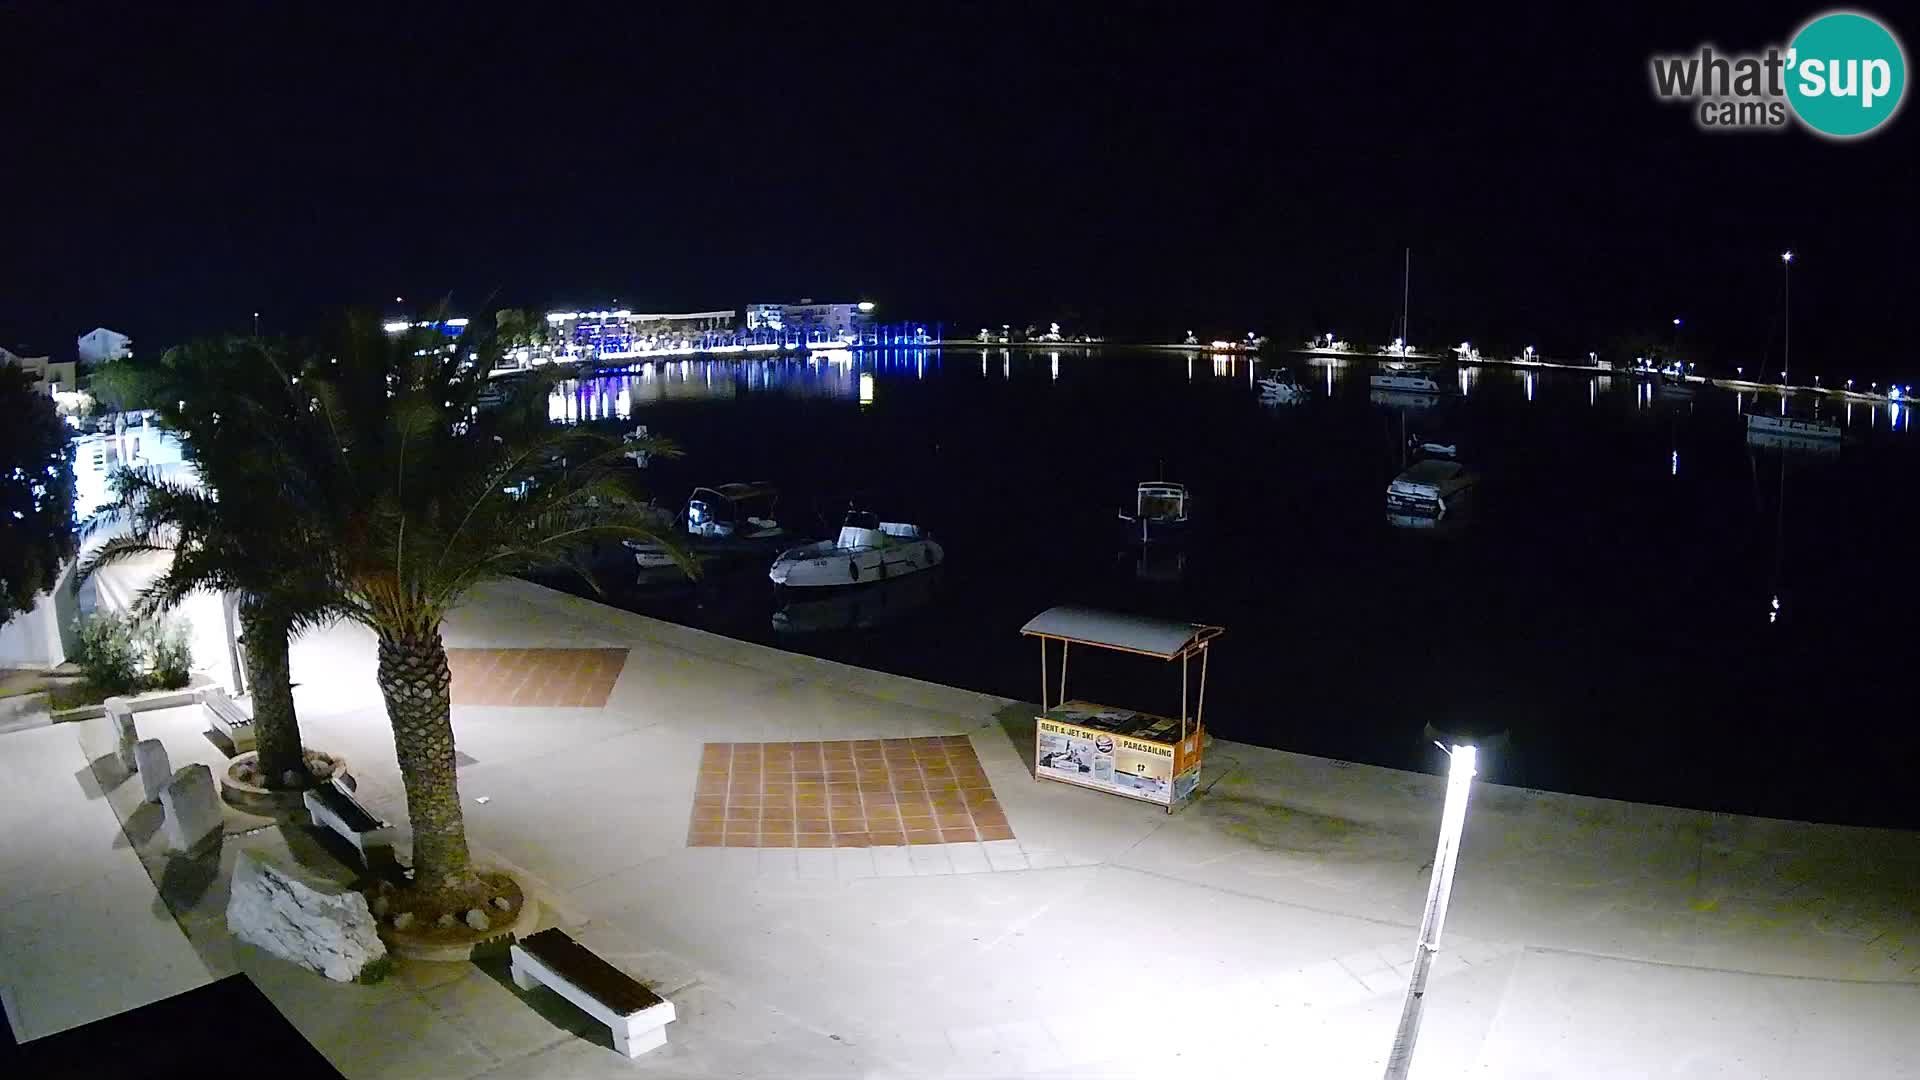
(1159, 511)
(867, 550)
(1433, 488)
(726, 520)
(1280, 388)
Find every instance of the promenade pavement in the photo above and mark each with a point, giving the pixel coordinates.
(1267, 929)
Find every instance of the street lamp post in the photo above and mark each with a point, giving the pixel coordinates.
(1453, 819)
(1786, 316)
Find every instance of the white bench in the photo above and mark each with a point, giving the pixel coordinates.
(332, 806)
(228, 718)
(637, 1016)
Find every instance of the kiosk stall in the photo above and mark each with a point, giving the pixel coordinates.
(1126, 752)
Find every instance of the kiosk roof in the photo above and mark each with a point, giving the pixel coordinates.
(1164, 638)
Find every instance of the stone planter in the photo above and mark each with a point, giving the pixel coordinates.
(242, 789)
(456, 944)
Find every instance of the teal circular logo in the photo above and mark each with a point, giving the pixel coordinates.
(1845, 74)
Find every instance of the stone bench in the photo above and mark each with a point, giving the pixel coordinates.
(637, 1016)
(228, 719)
(332, 806)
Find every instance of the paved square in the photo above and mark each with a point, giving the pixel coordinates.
(581, 678)
(852, 793)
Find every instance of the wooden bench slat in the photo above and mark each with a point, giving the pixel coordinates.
(578, 965)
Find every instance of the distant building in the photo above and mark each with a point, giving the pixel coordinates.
(807, 319)
(631, 333)
(101, 345)
(49, 376)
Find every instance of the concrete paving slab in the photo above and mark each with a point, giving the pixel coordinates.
(1566, 1015)
(82, 936)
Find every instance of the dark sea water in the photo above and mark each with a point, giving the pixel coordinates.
(1609, 599)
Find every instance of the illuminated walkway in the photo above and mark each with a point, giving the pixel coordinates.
(82, 934)
(1263, 931)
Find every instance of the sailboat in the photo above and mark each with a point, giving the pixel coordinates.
(1400, 375)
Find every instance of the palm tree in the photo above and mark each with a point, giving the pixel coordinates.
(241, 532)
(423, 495)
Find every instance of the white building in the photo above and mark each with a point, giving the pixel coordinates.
(51, 377)
(101, 345)
(809, 319)
(623, 333)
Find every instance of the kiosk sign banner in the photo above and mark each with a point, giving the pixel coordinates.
(1138, 755)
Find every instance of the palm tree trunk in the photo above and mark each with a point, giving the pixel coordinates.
(415, 681)
(263, 639)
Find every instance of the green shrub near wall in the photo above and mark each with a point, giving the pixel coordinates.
(121, 655)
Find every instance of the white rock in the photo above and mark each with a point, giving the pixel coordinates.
(150, 758)
(446, 921)
(192, 807)
(477, 919)
(403, 920)
(503, 903)
(120, 714)
(318, 925)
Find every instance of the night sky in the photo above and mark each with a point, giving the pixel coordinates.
(173, 168)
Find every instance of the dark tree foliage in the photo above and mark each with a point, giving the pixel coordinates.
(36, 493)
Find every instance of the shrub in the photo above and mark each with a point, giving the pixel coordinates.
(108, 651)
(120, 655)
(170, 653)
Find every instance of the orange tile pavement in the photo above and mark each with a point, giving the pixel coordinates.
(849, 793)
(580, 678)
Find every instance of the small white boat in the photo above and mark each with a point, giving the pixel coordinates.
(1160, 511)
(638, 455)
(1432, 488)
(1279, 388)
(727, 520)
(1787, 425)
(866, 550)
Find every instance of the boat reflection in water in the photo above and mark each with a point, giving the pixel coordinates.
(1447, 525)
(1403, 399)
(857, 609)
(1156, 564)
(1805, 445)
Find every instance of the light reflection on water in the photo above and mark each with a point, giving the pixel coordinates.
(854, 376)
(614, 395)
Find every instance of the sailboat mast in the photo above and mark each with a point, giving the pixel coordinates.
(1406, 284)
